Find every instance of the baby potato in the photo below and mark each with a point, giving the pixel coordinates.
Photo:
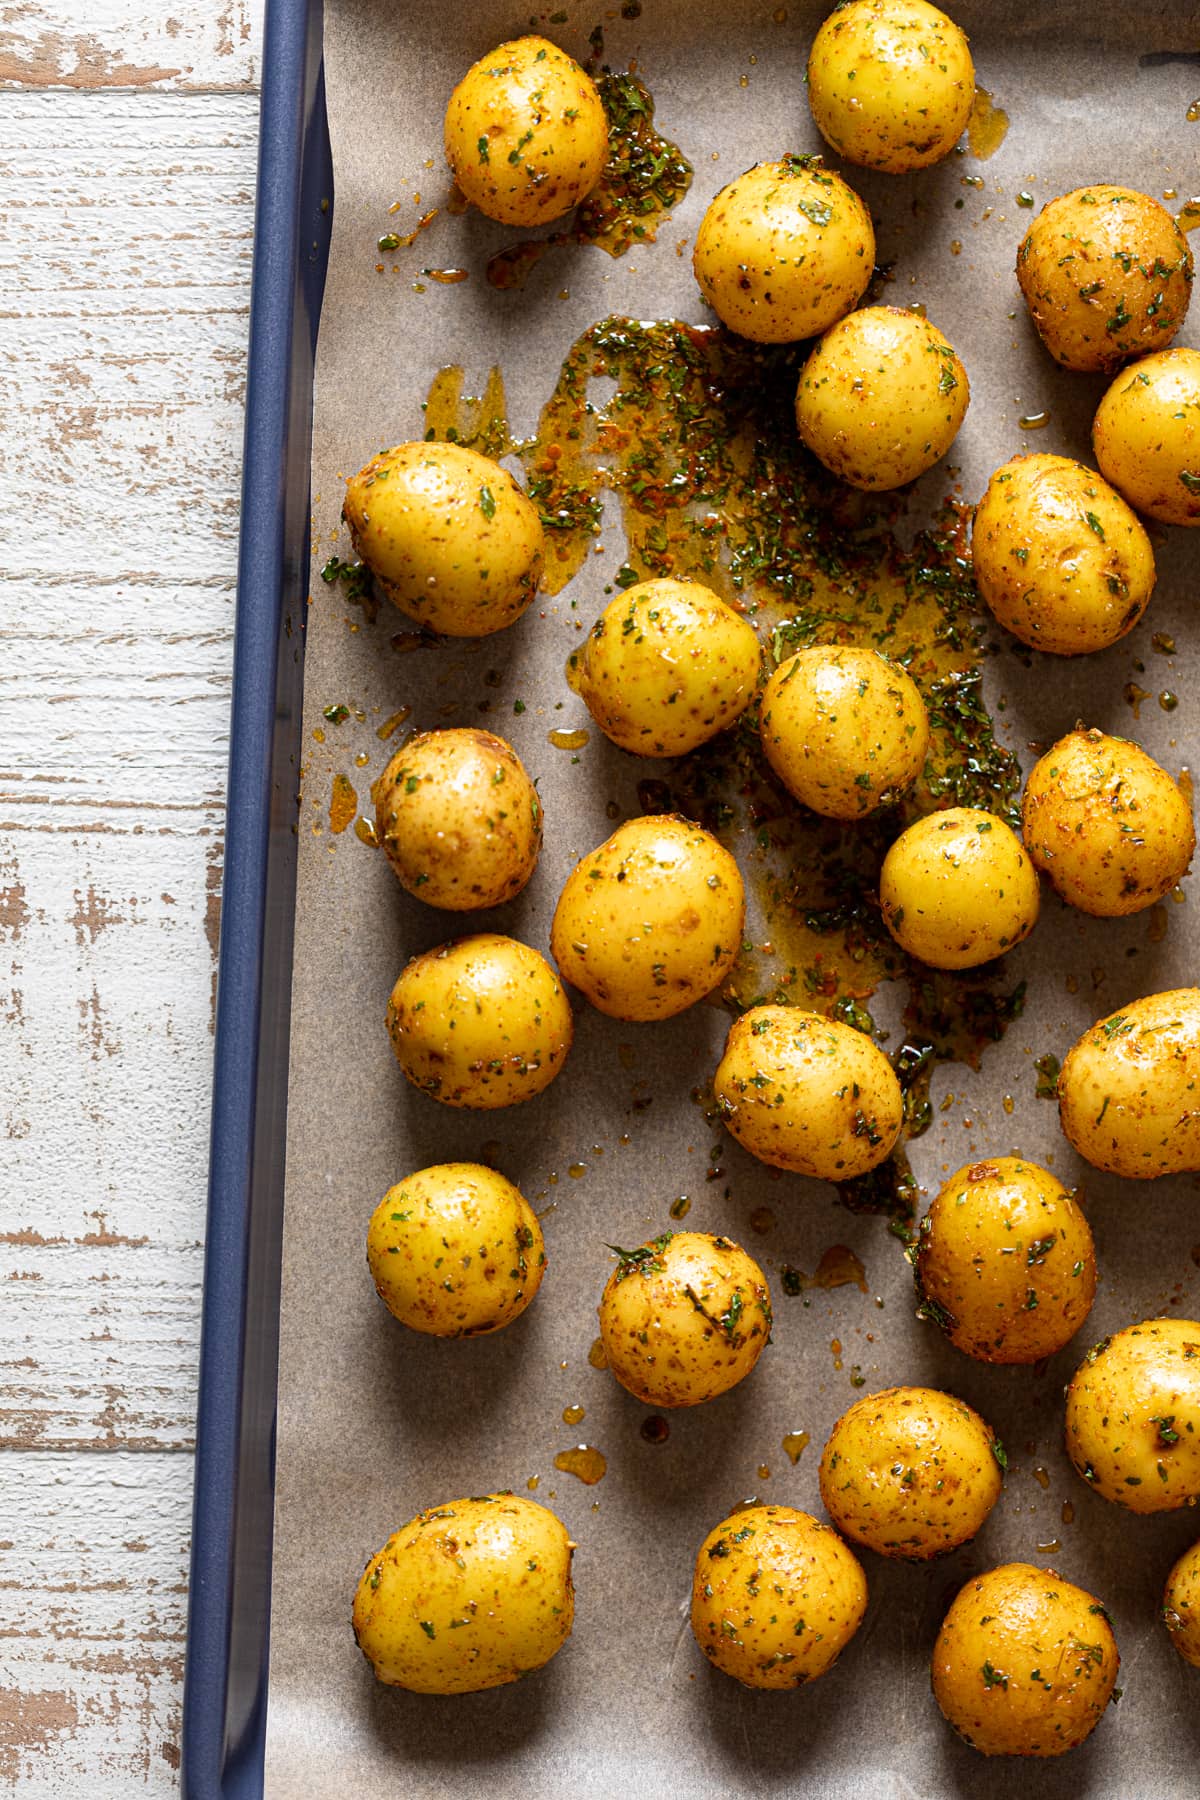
(806, 1093)
(455, 1251)
(448, 536)
(957, 889)
(881, 398)
(651, 921)
(1060, 559)
(526, 134)
(469, 1595)
(1005, 1262)
(891, 83)
(776, 1597)
(1106, 274)
(910, 1472)
(1133, 1416)
(459, 819)
(1106, 824)
(1127, 1091)
(666, 667)
(480, 1022)
(784, 250)
(1025, 1662)
(845, 730)
(1146, 436)
(1181, 1605)
(684, 1318)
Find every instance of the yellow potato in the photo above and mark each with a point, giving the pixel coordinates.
(481, 1022)
(666, 667)
(469, 1595)
(448, 536)
(807, 1093)
(1181, 1606)
(1025, 1662)
(526, 136)
(1106, 274)
(1106, 824)
(455, 1250)
(910, 1472)
(1129, 1090)
(784, 250)
(1005, 1262)
(958, 889)
(1061, 560)
(845, 730)
(651, 921)
(684, 1318)
(891, 83)
(776, 1597)
(1133, 1416)
(881, 397)
(1146, 436)
(459, 819)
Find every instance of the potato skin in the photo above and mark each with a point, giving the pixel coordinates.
(1025, 1662)
(469, 1595)
(1127, 1090)
(845, 730)
(526, 135)
(1106, 274)
(1133, 1416)
(481, 1022)
(891, 83)
(1005, 1262)
(455, 1251)
(448, 536)
(459, 820)
(684, 1318)
(1107, 824)
(1146, 436)
(776, 1597)
(666, 666)
(910, 1472)
(1061, 560)
(651, 920)
(881, 397)
(1181, 1606)
(809, 1094)
(784, 250)
(958, 889)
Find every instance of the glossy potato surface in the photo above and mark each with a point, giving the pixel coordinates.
(1146, 436)
(957, 889)
(1181, 1606)
(1133, 1416)
(1128, 1089)
(845, 730)
(891, 83)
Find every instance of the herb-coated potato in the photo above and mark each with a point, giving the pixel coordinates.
(667, 666)
(891, 83)
(469, 1595)
(844, 729)
(526, 136)
(776, 1597)
(910, 1472)
(1106, 824)
(1005, 1262)
(1025, 1662)
(958, 889)
(651, 921)
(481, 1022)
(1106, 274)
(808, 1093)
(455, 1250)
(459, 819)
(1129, 1090)
(1061, 560)
(1181, 1605)
(784, 250)
(684, 1318)
(1133, 1416)
(448, 536)
(1146, 436)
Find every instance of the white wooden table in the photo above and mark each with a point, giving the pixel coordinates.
(127, 159)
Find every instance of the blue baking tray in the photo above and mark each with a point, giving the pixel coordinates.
(225, 1681)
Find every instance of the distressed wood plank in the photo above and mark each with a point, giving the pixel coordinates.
(94, 44)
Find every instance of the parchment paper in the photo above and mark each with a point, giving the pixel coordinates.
(375, 1422)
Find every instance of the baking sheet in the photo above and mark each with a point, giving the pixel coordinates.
(375, 1422)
